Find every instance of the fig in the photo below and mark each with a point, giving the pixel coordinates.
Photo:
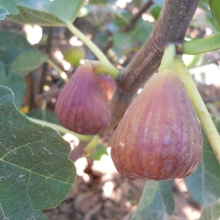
(81, 106)
(107, 86)
(159, 137)
(74, 55)
(155, 11)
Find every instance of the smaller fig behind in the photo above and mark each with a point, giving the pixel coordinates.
(81, 106)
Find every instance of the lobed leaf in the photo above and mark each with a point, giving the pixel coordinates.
(27, 61)
(42, 217)
(138, 34)
(12, 45)
(50, 13)
(15, 82)
(35, 172)
(156, 201)
(204, 183)
(211, 212)
(3, 12)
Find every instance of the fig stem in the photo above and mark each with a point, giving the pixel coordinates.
(61, 129)
(167, 59)
(199, 106)
(91, 145)
(101, 56)
(103, 68)
(199, 46)
(63, 75)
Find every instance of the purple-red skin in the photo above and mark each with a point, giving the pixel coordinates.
(107, 86)
(159, 137)
(81, 106)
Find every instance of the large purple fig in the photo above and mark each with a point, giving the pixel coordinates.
(159, 136)
(81, 106)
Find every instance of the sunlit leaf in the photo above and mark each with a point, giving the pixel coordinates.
(43, 12)
(211, 212)
(35, 171)
(204, 183)
(156, 201)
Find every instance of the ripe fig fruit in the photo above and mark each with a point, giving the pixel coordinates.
(81, 106)
(74, 55)
(159, 137)
(107, 86)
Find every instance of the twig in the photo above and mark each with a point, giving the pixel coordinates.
(52, 92)
(47, 50)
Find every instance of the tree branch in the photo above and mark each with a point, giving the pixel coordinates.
(170, 27)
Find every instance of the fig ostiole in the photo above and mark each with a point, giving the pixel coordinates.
(81, 106)
(159, 137)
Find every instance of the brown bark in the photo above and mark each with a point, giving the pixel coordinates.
(170, 27)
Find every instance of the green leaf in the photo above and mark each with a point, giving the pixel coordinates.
(42, 217)
(211, 212)
(44, 115)
(12, 45)
(28, 16)
(204, 183)
(99, 151)
(122, 20)
(156, 201)
(27, 61)
(138, 34)
(3, 12)
(98, 2)
(2, 72)
(215, 9)
(43, 12)
(35, 171)
(15, 82)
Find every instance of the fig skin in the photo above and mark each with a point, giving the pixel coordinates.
(107, 86)
(159, 137)
(81, 106)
